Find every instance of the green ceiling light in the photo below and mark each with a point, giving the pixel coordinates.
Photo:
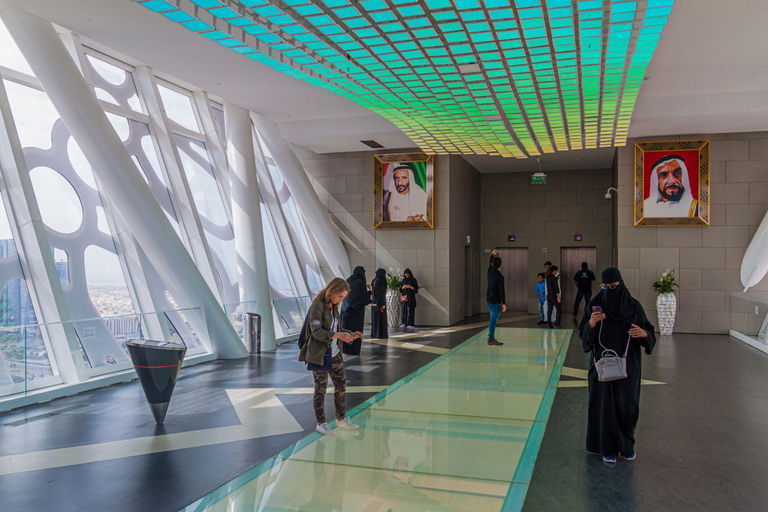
(514, 78)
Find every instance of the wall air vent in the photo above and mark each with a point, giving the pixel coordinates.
(372, 144)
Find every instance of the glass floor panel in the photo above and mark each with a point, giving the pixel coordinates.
(460, 434)
(425, 443)
(294, 485)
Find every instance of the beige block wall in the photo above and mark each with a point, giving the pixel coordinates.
(707, 259)
(548, 216)
(344, 183)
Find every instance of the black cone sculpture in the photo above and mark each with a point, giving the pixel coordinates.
(157, 364)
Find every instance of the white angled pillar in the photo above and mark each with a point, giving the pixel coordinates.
(312, 210)
(246, 221)
(121, 180)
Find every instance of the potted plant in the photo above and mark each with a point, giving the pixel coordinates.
(394, 281)
(666, 302)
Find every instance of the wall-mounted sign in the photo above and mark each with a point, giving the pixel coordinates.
(543, 249)
(539, 179)
(577, 238)
(469, 240)
(511, 238)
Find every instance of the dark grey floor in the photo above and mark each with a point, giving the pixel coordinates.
(702, 437)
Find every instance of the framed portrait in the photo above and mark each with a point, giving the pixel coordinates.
(672, 183)
(403, 191)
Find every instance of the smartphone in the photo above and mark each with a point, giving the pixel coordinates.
(597, 309)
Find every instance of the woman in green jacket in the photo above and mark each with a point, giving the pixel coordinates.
(323, 351)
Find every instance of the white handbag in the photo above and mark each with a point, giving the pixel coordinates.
(611, 366)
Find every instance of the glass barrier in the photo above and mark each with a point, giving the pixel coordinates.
(750, 318)
(25, 365)
(236, 311)
(290, 313)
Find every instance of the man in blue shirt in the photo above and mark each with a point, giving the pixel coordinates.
(541, 295)
(583, 280)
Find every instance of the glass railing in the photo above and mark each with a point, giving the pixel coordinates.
(236, 312)
(749, 318)
(25, 364)
(290, 313)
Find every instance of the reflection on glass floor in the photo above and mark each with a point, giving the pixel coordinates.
(460, 434)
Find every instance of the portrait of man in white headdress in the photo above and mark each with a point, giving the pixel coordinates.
(404, 197)
(404, 191)
(670, 192)
(672, 183)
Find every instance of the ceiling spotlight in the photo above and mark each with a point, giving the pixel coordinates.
(608, 194)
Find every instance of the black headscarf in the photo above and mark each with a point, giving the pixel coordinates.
(409, 280)
(358, 273)
(381, 275)
(616, 303)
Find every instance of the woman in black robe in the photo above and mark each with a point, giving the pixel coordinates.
(622, 326)
(379, 307)
(353, 308)
(408, 289)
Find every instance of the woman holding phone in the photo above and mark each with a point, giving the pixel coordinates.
(323, 353)
(615, 321)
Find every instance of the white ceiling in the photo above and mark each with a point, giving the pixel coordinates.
(709, 74)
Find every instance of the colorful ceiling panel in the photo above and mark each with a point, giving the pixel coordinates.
(514, 78)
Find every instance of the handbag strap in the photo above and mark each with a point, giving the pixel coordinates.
(599, 334)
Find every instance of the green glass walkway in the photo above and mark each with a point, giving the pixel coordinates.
(460, 434)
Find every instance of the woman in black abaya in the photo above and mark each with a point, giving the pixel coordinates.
(379, 305)
(620, 325)
(408, 289)
(353, 308)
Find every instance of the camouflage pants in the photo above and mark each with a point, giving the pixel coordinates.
(339, 390)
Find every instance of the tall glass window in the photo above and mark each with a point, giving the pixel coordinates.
(70, 207)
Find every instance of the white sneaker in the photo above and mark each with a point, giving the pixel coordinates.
(346, 423)
(325, 430)
(403, 326)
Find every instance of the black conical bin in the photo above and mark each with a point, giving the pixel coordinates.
(157, 364)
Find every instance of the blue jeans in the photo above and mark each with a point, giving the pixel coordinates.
(495, 310)
(541, 310)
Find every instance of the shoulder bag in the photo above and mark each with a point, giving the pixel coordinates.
(611, 366)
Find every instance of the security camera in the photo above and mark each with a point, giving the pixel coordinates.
(608, 194)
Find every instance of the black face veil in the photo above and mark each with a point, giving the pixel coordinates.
(616, 303)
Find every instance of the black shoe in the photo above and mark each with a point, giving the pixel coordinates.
(551, 326)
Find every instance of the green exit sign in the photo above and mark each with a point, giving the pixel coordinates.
(539, 178)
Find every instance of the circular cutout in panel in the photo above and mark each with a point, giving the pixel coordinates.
(121, 126)
(60, 206)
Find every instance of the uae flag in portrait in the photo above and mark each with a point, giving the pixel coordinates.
(405, 191)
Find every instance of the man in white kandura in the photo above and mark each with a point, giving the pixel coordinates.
(670, 194)
(407, 201)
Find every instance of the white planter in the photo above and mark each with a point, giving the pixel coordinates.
(666, 306)
(393, 309)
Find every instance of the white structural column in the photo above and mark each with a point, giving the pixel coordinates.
(313, 212)
(246, 221)
(121, 180)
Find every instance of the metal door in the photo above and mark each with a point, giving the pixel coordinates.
(571, 259)
(514, 267)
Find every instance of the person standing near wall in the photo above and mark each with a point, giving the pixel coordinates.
(554, 308)
(379, 307)
(408, 290)
(322, 353)
(353, 308)
(583, 280)
(541, 297)
(618, 323)
(495, 296)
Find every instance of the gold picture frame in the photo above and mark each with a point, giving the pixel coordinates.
(670, 202)
(420, 171)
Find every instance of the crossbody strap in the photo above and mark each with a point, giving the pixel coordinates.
(599, 334)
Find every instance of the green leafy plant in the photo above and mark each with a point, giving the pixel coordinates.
(667, 284)
(394, 281)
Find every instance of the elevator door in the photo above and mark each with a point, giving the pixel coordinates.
(571, 259)
(514, 267)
